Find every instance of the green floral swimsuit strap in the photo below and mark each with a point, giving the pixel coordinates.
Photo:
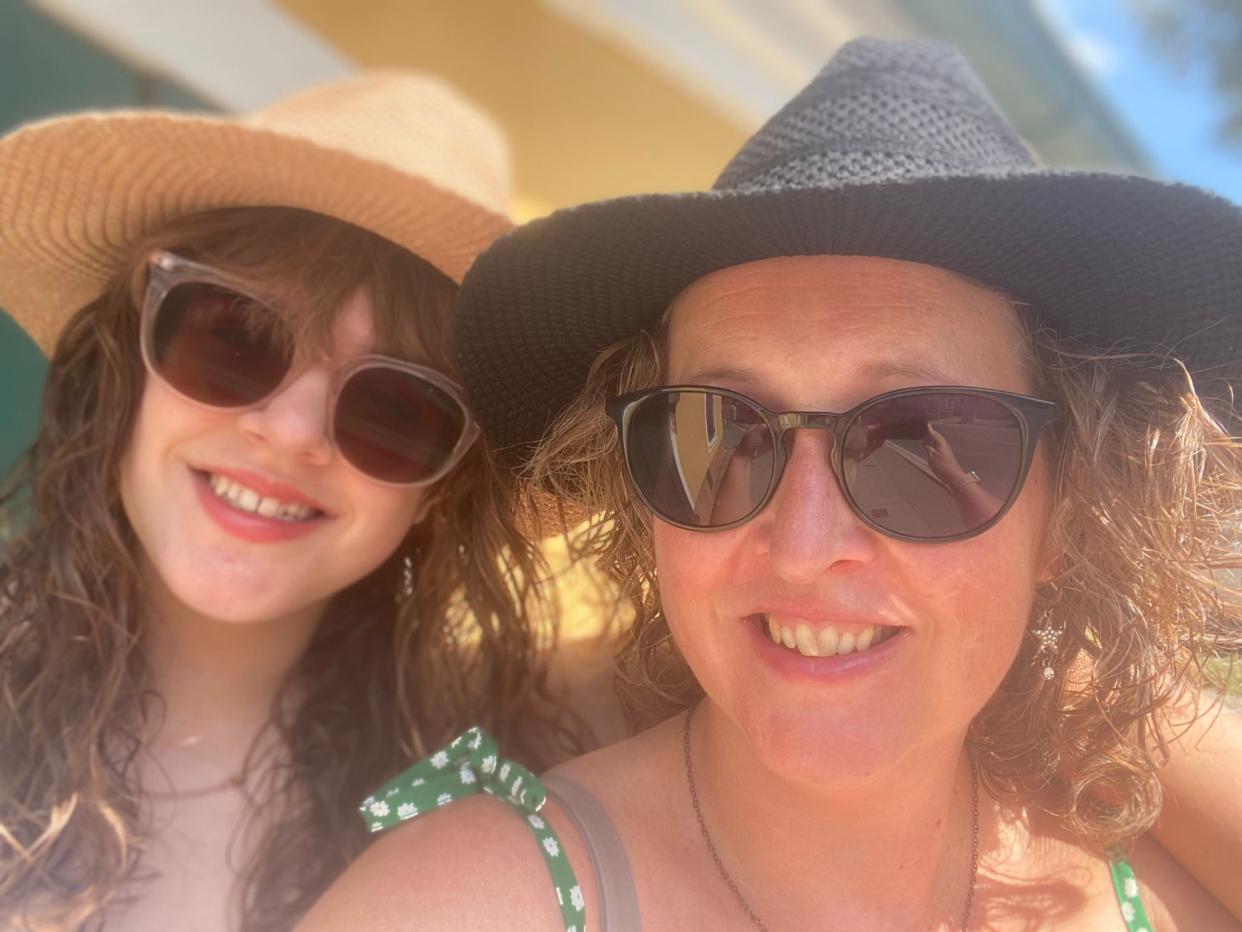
(1126, 886)
(471, 763)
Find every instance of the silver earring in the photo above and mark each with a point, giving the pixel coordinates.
(406, 589)
(1049, 637)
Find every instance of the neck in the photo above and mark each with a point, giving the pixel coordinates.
(893, 847)
(217, 681)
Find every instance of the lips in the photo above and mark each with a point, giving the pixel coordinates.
(256, 508)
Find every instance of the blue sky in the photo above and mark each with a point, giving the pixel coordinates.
(1173, 115)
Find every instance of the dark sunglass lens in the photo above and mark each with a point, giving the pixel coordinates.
(396, 426)
(933, 466)
(219, 347)
(700, 459)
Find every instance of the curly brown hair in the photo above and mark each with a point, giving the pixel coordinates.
(1147, 515)
(75, 700)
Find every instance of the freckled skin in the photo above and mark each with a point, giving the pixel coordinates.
(214, 574)
(824, 333)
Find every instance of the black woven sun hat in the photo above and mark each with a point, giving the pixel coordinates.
(894, 150)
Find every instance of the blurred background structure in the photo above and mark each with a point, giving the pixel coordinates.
(599, 97)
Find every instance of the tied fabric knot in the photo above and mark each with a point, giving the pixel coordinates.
(471, 763)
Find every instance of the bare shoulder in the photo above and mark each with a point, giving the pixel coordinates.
(1172, 897)
(638, 784)
(472, 865)
(1034, 867)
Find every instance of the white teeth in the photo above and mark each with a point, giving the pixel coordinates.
(245, 499)
(808, 646)
(827, 642)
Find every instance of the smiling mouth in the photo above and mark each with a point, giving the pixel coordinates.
(247, 500)
(825, 641)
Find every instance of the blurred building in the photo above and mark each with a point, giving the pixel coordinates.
(599, 97)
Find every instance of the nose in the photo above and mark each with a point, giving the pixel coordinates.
(808, 526)
(294, 421)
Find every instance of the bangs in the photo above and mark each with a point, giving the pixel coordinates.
(309, 265)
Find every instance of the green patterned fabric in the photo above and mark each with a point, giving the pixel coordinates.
(470, 764)
(1126, 885)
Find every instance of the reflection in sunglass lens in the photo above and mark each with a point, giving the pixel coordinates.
(700, 458)
(928, 465)
(219, 347)
(932, 465)
(396, 426)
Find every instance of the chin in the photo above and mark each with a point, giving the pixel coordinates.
(242, 610)
(231, 597)
(824, 747)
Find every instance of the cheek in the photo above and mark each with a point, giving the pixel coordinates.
(692, 568)
(135, 461)
(681, 566)
(384, 517)
(980, 592)
(161, 421)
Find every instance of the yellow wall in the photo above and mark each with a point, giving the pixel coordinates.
(586, 119)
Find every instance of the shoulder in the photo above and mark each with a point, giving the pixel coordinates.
(474, 864)
(1172, 897)
(1033, 866)
(635, 783)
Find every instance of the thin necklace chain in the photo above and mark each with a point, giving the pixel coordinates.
(732, 884)
(234, 782)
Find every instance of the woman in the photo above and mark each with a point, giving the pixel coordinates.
(262, 527)
(923, 566)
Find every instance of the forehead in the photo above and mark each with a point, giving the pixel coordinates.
(828, 331)
(353, 327)
(348, 326)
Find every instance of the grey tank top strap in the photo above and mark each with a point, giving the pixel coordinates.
(618, 902)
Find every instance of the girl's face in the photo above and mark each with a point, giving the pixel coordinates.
(946, 619)
(190, 471)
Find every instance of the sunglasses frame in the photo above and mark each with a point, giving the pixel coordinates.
(167, 271)
(1032, 415)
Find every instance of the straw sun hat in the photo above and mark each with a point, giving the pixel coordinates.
(894, 150)
(400, 154)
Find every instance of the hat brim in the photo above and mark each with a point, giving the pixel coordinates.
(79, 191)
(1116, 261)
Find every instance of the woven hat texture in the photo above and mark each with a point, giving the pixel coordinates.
(400, 154)
(894, 150)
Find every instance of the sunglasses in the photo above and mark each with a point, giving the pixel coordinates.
(918, 464)
(218, 345)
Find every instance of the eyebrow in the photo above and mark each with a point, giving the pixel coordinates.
(923, 372)
(721, 374)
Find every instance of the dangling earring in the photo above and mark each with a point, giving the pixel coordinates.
(406, 589)
(1049, 637)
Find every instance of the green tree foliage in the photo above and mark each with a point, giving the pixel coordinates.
(1202, 36)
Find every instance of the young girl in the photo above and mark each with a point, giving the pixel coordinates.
(260, 528)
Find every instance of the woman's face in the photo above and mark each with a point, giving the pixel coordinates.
(226, 562)
(826, 333)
